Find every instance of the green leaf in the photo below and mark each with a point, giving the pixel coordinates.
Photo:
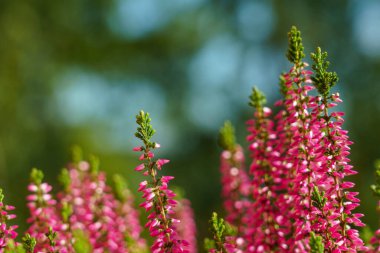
(295, 52)
(316, 243)
(29, 243)
(227, 138)
(322, 79)
(318, 198)
(81, 242)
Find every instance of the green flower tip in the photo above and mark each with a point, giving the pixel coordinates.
(316, 243)
(295, 52)
(77, 154)
(322, 79)
(29, 243)
(36, 176)
(376, 187)
(64, 179)
(120, 187)
(94, 164)
(257, 99)
(227, 139)
(51, 235)
(145, 130)
(218, 226)
(1, 195)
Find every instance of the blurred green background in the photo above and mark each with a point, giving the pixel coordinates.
(77, 72)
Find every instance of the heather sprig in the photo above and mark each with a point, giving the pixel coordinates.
(257, 99)
(227, 139)
(159, 202)
(316, 243)
(29, 243)
(295, 52)
(220, 243)
(323, 80)
(376, 187)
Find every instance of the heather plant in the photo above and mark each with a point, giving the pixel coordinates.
(286, 192)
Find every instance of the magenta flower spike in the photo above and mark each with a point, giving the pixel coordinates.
(7, 232)
(236, 185)
(159, 199)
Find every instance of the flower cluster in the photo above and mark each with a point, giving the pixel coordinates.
(289, 193)
(298, 198)
(159, 199)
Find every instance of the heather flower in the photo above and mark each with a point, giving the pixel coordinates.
(265, 224)
(235, 182)
(7, 232)
(92, 206)
(186, 229)
(127, 216)
(159, 199)
(43, 215)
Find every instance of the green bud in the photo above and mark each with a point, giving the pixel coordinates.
(322, 79)
(226, 138)
(64, 179)
(145, 130)
(36, 176)
(257, 99)
(77, 154)
(295, 52)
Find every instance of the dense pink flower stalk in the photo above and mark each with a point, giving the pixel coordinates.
(159, 199)
(186, 229)
(128, 217)
(235, 181)
(336, 218)
(93, 208)
(44, 216)
(266, 228)
(302, 149)
(7, 232)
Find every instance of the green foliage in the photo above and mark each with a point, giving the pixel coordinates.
(120, 187)
(376, 187)
(1, 195)
(66, 211)
(94, 164)
(220, 229)
(209, 244)
(81, 242)
(227, 138)
(366, 234)
(316, 243)
(77, 154)
(283, 88)
(51, 235)
(145, 130)
(13, 248)
(257, 98)
(64, 179)
(36, 176)
(295, 52)
(29, 243)
(322, 79)
(318, 198)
